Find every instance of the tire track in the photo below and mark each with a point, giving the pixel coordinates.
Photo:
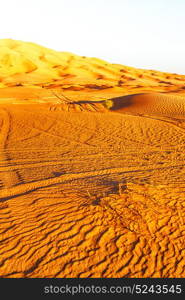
(10, 177)
(21, 189)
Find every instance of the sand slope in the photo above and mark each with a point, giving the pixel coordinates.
(89, 190)
(152, 103)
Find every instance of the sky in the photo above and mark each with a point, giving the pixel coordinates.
(146, 34)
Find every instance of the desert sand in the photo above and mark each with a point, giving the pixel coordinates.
(92, 167)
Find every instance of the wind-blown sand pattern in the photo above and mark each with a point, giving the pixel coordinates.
(92, 167)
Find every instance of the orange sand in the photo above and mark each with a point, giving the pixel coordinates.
(87, 191)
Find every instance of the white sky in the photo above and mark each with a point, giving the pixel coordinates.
(141, 33)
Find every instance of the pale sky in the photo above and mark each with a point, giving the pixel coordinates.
(146, 34)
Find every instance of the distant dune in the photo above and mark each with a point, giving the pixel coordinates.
(92, 167)
(28, 65)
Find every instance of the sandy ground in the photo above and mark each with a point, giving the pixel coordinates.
(87, 191)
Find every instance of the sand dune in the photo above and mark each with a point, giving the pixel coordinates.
(29, 65)
(92, 170)
(153, 104)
